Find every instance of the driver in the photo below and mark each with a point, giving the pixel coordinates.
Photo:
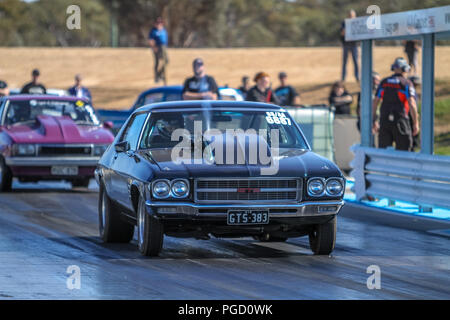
(166, 127)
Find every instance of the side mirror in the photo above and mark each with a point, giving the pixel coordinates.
(122, 146)
(108, 125)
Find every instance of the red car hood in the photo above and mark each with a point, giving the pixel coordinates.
(64, 130)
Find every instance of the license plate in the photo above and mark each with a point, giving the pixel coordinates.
(64, 171)
(244, 217)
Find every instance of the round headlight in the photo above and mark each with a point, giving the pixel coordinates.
(315, 187)
(334, 187)
(180, 189)
(161, 189)
(26, 149)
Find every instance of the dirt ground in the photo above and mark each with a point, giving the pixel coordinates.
(117, 76)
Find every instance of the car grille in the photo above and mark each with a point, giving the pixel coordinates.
(65, 150)
(245, 190)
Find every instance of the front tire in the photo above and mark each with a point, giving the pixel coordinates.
(323, 238)
(5, 177)
(150, 232)
(111, 227)
(81, 183)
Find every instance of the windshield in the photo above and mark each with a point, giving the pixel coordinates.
(155, 97)
(162, 125)
(26, 111)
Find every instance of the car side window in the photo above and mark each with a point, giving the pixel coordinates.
(133, 130)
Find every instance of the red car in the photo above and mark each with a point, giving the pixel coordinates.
(50, 138)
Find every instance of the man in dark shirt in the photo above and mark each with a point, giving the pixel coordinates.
(245, 86)
(78, 90)
(262, 92)
(398, 104)
(34, 87)
(200, 86)
(287, 95)
(349, 47)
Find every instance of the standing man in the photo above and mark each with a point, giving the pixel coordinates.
(158, 41)
(398, 104)
(349, 47)
(34, 87)
(79, 91)
(262, 91)
(412, 51)
(200, 86)
(376, 79)
(287, 95)
(4, 90)
(245, 86)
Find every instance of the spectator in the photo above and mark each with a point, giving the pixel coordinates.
(78, 90)
(200, 86)
(158, 41)
(417, 83)
(245, 86)
(34, 87)
(287, 95)
(262, 92)
(340, 99)
(376, 79)
(412, 51)
(349, 47)
(396, 94)
(4, 90)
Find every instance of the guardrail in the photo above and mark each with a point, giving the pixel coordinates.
(399, 175)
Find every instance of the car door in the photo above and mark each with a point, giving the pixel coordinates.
(124, 161)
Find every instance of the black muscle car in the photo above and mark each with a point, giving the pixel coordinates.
(221, 168)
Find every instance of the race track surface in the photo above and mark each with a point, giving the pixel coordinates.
(46, 228)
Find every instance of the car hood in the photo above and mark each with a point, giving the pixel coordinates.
(291, 163)
(49, 129)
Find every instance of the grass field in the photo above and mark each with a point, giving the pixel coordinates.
(117, 76)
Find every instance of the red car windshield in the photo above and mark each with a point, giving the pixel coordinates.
(20, 112)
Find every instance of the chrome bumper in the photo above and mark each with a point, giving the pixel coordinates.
(52, 161)
(303, 209)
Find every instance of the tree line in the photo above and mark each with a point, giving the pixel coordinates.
(190, 23)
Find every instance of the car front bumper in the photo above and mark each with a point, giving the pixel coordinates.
(40, 168)
(51, 161)
(214, 211)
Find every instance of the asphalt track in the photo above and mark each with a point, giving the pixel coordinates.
(46, 228)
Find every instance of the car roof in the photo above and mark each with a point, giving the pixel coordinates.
(201, 104)
(24, 97)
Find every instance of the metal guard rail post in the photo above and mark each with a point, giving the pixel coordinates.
(399, 175)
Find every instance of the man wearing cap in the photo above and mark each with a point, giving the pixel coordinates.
(158, 41)
(396, 94)
(287, 95)
(261, 91)
(4, 90)
(34, 87)
(78, 90)
(200, 86)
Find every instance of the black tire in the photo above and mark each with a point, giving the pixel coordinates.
(111, 227)
(81, 183)
(323, 238)
(150, 232)
(270, 239)
(5, 177)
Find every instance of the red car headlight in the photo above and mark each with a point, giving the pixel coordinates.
(24, 150)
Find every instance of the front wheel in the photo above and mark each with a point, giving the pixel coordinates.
(150, 232)
(80, 183)
(111, 227)
(323, 237)
(5, 177)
